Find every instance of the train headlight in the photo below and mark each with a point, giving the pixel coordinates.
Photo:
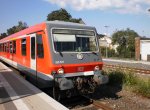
(96, 68)
(60, 71)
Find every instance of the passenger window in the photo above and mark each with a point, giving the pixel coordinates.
(7, 47)
(14, 47)
(0, 47)
(33, 47)
(10, 47)
(3, 48)
(40, 49)
(23, 47)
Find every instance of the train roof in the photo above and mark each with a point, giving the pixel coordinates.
(63, 23)
(31, 29)
(68, 24)
(42, 26)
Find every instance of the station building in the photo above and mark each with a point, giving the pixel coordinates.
(142, 49)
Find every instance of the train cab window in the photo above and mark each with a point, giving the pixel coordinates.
(67, 40)
(10, 47)
(40, 49)
(23, 47)
(14, 47)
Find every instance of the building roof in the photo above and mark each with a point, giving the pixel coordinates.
(144, 38)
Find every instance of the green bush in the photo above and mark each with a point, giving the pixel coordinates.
(123, 53)
(116, 77)
(144, 88)
(110, 52)
(130, 81)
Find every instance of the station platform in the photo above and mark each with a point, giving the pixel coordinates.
(18, 94)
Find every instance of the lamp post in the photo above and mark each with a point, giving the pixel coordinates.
(106, 27)
(106, 50)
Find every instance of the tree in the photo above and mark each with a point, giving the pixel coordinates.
(62, 15)
(11, 30)
(126, 41)
(3, 35)
(21, 25)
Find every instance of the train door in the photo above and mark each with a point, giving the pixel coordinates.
(33, 51)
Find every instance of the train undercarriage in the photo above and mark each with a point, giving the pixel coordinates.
(71, 86)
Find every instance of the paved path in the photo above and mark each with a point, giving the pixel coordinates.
(18, 94)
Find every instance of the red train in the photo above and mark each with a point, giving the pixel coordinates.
(56, 54)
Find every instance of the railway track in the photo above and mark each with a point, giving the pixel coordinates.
(95, 105)
(100, 105)
(135, 70)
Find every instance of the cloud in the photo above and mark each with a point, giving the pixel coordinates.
(121, 6)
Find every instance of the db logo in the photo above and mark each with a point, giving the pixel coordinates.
(80, 56)
(80, 69)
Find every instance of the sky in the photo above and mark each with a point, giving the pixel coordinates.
(115, 14)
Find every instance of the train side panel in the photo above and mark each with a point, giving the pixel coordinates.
(44, 63)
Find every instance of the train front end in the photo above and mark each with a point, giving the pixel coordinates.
(76, 57)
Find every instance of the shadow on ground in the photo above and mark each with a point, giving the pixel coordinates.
(106, 91)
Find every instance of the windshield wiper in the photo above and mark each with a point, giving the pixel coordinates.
(94, 52)
(60, 53)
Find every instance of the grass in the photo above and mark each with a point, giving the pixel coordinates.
(130, 81)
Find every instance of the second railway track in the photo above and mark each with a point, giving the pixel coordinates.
(135, 70)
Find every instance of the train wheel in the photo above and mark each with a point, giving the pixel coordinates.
(56, 93)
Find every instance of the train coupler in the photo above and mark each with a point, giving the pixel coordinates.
(65, 84)
(99, 78)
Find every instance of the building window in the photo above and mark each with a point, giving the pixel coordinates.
(14, 47)
(40, 49)
(23, 47)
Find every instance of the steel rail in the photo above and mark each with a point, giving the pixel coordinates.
(142, 71)
(98, 104)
